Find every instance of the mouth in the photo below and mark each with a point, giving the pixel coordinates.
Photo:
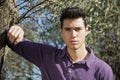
(73, 42)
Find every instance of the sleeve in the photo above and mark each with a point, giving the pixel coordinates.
(33, 52)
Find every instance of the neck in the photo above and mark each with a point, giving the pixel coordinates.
(78, 54)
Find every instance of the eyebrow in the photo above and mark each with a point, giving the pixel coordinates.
(73, 28)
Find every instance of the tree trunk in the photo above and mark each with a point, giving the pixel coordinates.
(8, 16)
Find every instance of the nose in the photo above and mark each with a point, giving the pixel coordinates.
(74, 33)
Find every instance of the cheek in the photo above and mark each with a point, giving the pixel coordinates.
(82, 35)
(65, 37)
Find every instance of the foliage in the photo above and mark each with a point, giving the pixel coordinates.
(41, 19)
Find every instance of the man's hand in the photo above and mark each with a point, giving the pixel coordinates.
(15, 34)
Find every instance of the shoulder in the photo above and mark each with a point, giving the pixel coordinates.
(103, 70)
(97, 63)
(100, 69)
(101, 64)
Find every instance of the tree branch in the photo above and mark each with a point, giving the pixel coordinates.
(40, 9)
(24, 14)
(21, 3)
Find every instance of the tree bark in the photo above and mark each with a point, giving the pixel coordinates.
(8, 16)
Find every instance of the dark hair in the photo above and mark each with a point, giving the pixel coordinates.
(71, 13)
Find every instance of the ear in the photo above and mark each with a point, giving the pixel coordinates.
(87, 31)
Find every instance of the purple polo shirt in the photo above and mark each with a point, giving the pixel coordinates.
(56, 64)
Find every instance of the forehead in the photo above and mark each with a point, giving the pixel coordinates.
(73, 22)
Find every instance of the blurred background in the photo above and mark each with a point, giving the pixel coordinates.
(40, 20)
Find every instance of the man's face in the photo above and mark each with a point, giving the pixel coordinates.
(74, 33)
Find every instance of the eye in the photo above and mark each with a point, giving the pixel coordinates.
(67, 29)
(78, 29)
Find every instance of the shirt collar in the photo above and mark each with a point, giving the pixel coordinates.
(86, 61)
(90, 57)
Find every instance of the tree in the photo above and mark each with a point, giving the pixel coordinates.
(40, 18)
(8, 15)
(8, 18)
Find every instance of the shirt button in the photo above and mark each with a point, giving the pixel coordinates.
(69, 71)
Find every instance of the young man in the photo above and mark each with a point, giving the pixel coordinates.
(74, 62)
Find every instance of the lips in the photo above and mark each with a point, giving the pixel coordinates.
(73, 42)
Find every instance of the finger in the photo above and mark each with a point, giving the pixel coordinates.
(12, 28)
(13, 33)
(19, 38)
(17, 35)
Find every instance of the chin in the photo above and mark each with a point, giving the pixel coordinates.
(74, 47)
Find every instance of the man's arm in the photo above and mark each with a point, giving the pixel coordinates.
(25, 48)
(33, 52)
